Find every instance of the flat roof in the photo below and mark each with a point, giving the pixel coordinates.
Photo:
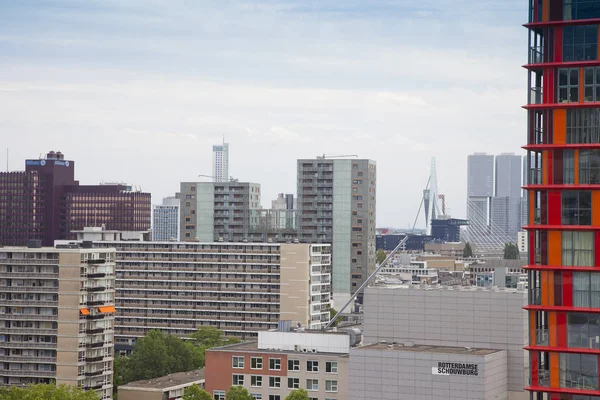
(167, 381)
(253, 347)
(421, 348)
(444, 288)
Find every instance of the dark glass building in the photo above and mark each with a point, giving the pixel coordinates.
(563, 191)
(46, 203)
(448, 229)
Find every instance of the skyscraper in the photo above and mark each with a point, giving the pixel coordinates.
(563, 144)
(221, 162)
(336, 204)
(506, 204)
(165, 220)
(480, 190)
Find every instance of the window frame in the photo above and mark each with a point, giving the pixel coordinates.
(313, 364)
(593, 86)
(254, 381)
(273, 364)
(239, 365)
(571, 214)
(312, 387)
(569, 255)
(274, 382)
(567, 90)
(331, 365)
(333, 384)
(259, 360)
(293, 383)
(294, 363)
(239, 378)
(579, 31)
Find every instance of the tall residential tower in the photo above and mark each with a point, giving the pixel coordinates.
(221, 162)
(563, 144)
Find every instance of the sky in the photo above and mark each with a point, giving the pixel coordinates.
(138, 91)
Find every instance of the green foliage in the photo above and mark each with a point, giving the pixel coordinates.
(238, 393)
(297, 394)
(332, 312)
(209, 336)
(468, 251)
(158, 354)
(380, 256)
(46, 392)
(195, 393)
(511, 251)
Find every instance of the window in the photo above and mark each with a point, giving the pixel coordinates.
(293, 383)
(576, 208)
(219, 395)
(312, 385)
(238, 380)
(274, 397)
(331, 367)
(589, 167)
(312, 366)
(583, 125)
(568, 167)
(591, 83)
(586, 289)
(583, 330)
(581, 9)
(256, 363)
(238, 362)
(256, 396)
(331, 386)
(568, 85)
(275, 364)
(274, 382)
(580, 43)
(578, 249)
(256, 381)
(293, 365)
(579, 371)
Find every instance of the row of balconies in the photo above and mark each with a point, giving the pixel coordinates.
(28, 359)
(25, 275)
(27, 373)
(202, 250)
(32, 261)
(27, 345)
(28, 317)
(40, 289)
(27, 303)
(37, 331)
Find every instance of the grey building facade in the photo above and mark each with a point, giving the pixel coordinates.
(480, 190)
(445, 316)
(165, 220)
(506, 205)
(336, 204)
(388, 371)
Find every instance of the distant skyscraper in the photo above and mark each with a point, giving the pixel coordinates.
(336, 204)
(165, 224)
(221, 162)
(480, 190)
(506, 204)
(284, 202)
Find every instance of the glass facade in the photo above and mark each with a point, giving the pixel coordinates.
(563, 195)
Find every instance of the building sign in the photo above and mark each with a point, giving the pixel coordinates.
(58, 162)
(450, 368)
(33, 162)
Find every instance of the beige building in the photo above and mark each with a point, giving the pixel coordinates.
(57, 316)
(280, 362)
(169, 387)
(239, 288)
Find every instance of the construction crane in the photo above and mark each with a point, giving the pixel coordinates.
(231, 178)
(324, 156)
(399, 247)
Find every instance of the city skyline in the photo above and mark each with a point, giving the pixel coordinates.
(361, 95)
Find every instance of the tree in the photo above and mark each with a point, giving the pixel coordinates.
(468, 251)
(511, 251)
(46, 392)
(195, 393)
(209, 336)
(297, 394)
(238, 393)
(380, 256)
(332, 312)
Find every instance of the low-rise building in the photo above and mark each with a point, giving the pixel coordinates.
(280, 362)
(170, 387)
(57, 316)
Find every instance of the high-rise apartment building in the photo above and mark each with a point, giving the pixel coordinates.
(506, 204)
(563, 147)
(46, 203)
(336, 204)
(221, 162)
(57, 316)
(240, 288)
(480, 190)
(165, 220)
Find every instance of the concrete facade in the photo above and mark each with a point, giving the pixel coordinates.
(392, 372)
(165, 220)
(445, 316)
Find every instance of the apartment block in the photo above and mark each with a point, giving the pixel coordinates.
(239, 288)
(221, 162)
(456, 317)
(165, 220)
(280, 362)
(212, 211)
(57, 316)
(336, 204)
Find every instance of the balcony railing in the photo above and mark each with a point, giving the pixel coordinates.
(28, 317)
(536, 54)
(28, 345)
(536, 95)
(579, 381)
(541, 337)
(25, 359)
(27, 373)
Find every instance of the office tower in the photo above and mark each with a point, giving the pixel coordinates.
(165, 222)
(563, 146)
(221, 162)
(480, 190)
(506, 204)
(46, 203)
(218, 211)
(240, 288)
(284, 202)
(57, 316)
(336, 204)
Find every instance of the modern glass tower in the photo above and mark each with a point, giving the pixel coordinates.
(563, 192)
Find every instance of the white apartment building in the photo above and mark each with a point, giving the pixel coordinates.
(165, 220)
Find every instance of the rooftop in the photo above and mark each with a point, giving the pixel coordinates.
(447, 288)
(253, 347)
(167, 381)
(428, 349)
